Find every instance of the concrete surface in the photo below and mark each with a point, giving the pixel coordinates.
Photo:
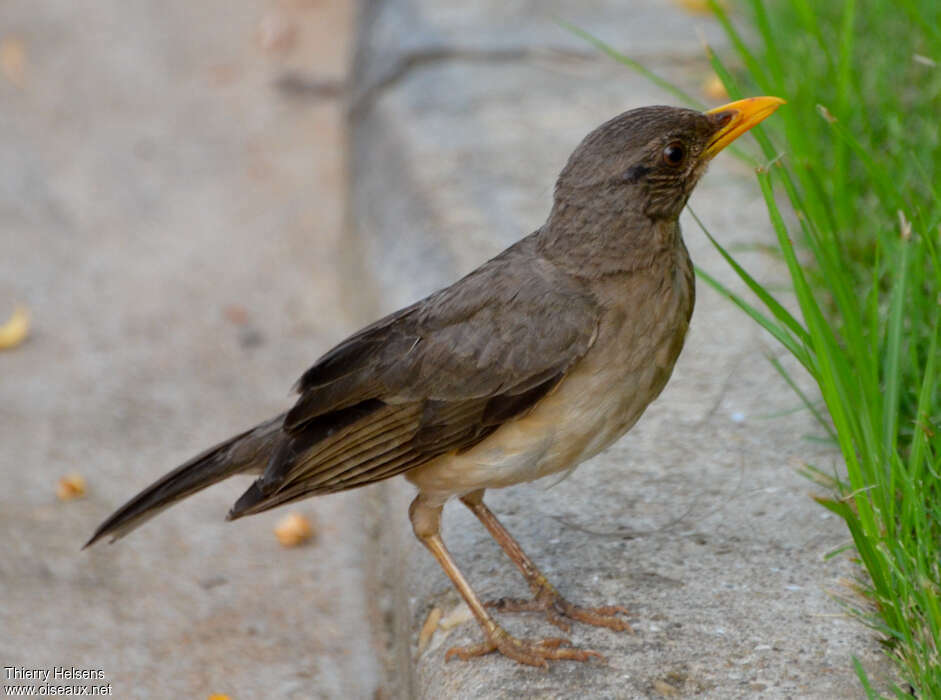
(168, 167)
(697, 520)
(173, 195)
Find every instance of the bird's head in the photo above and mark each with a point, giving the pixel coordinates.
(646, 162)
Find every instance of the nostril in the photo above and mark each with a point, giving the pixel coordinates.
(723, 118)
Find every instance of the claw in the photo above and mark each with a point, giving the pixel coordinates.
(532, 653)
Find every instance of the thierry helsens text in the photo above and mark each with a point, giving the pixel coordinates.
(56, 673)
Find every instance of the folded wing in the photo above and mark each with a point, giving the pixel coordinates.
(435, 377)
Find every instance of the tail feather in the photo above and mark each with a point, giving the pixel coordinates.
(248, 452)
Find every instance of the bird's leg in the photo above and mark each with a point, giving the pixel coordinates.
(426, 521)
(545, 596)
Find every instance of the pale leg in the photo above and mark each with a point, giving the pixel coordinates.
(545, 596)
(426, 521)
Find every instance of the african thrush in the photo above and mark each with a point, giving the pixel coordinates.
(534, 362)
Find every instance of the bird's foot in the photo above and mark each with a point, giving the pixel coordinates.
(557, 608)
(524, 651)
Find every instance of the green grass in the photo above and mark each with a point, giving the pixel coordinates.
(861, 177)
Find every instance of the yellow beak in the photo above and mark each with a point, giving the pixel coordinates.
(743, 115)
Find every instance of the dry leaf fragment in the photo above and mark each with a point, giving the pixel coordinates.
(13, 60)
(70, 487)
(460, 614)
(826, 114)
(714, 89)
(664, 688)
(428, 629)
(276, 32)
(905, 226)
(235, 313)
(701, 7)
(293, 530)
(14, 331)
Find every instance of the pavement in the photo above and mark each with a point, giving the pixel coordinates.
(198, 199)
(171, 210)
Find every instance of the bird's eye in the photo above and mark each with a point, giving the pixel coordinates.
(674, 154)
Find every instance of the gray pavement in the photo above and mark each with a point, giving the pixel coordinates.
(193, 215)
(157, 183)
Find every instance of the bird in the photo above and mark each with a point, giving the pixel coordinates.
(529, 365)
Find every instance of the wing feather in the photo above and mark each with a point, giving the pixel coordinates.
(438, 376)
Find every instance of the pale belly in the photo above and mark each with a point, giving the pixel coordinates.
(571, 425)
(600, 400)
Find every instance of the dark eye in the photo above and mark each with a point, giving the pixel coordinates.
(674, 154)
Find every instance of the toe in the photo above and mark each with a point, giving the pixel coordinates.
(469, 652)
(605, 616)
(554, 643)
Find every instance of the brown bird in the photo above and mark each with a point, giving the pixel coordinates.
(534, 362)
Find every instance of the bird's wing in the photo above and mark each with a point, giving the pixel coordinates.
(432, 378)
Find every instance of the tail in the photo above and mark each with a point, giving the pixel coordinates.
(248, 452)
